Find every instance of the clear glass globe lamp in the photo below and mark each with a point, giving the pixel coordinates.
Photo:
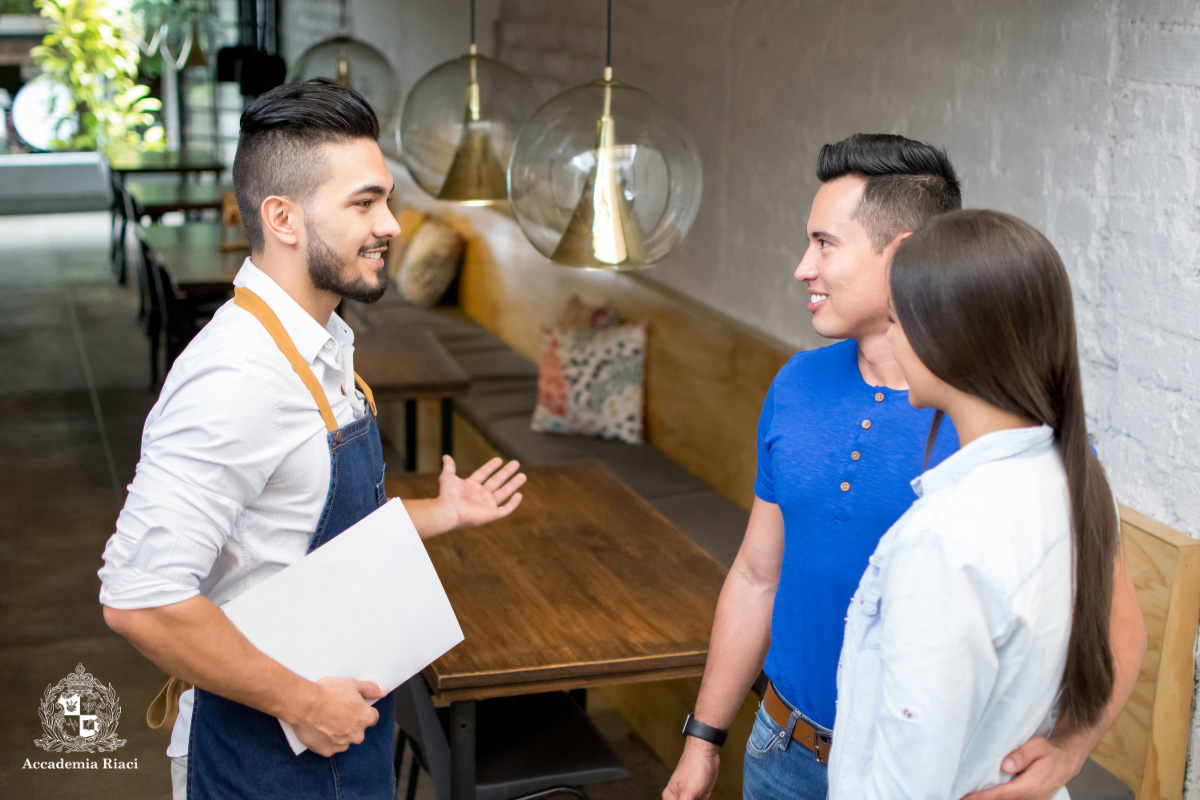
(604, 176)
(459, 124)
(354, 63)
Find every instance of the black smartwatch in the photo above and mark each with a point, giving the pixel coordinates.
(694, 727)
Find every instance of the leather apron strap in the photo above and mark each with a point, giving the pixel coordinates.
(254, 304)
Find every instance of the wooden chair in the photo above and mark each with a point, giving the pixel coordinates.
(1147, 745)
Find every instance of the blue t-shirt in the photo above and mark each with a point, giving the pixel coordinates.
(837, 456)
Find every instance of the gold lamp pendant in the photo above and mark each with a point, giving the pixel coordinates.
(343, 66)
(475, 176)
(602, 232)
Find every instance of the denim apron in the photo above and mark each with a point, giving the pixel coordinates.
(238, 752)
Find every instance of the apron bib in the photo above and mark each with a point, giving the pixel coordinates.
(235, 751)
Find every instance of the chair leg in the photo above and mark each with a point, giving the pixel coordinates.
(122, 256)
(155, 339)
(414, 772)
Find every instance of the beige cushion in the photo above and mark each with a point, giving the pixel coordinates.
(430, 263)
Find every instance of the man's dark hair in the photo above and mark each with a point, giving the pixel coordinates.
(279, 146)
(908, 182)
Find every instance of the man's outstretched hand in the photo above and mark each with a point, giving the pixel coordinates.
(488, 494)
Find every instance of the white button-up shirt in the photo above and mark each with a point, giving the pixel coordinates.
(956, 639)
(234, 469)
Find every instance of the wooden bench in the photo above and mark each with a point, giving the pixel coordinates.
(706, 378)
(1147, 745)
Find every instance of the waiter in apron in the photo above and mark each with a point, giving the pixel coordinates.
(263, 446)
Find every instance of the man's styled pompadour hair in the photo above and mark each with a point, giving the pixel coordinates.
(279, 146)
(908, 182)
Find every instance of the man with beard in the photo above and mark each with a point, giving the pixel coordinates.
(263, 446)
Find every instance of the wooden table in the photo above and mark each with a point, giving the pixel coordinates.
(410, 364)
(192, 256)
(586, 584)
(178, 162)
(157, 199)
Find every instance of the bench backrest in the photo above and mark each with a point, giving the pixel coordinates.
(706, 375)
(1147, 745)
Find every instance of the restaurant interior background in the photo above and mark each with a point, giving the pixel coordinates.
(1080, 116)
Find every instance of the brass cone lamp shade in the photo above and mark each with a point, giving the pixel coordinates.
(603, 231)
(475, 176)
(458, 128)
(605, 177)
(195, 56)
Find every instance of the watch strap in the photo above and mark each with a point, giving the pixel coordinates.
(696, 728)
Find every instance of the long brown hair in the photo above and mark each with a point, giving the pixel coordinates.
(986, 304)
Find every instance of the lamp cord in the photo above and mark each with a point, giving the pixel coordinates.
(608, 45)
(472, 23)
(342, 18)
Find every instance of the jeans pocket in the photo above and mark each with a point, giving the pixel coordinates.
(764, 737)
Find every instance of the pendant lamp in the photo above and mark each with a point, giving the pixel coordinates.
(354, 63)
(604, 176)
(459, 124)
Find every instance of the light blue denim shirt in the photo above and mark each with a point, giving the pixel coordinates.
(956, 639)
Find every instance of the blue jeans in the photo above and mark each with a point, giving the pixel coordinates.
(777, 768)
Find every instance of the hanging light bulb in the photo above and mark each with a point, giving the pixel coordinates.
(604, 176)
(354, 63)
(459, 124)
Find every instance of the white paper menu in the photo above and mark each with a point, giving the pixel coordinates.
(366, 605)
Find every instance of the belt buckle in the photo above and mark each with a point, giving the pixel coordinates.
(821, 745)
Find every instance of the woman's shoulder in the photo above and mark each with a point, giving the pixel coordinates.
(1003, 517)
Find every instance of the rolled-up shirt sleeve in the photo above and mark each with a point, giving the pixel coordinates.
(206, 455)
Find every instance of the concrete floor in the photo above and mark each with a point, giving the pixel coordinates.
(73, 397)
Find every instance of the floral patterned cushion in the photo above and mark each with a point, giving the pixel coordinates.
(590, 382)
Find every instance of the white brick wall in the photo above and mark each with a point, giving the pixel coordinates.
(1081, 116)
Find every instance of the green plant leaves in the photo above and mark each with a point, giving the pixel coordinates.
(92, 51)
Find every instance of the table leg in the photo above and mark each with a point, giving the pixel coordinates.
(447, 426)
(410, 435)
(462, 750)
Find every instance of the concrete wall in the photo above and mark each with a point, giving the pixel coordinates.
(1081, 116)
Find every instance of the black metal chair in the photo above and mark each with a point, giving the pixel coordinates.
(149, 310)
(118, 208)
(181, 317)
(171, 320)
(528, 747)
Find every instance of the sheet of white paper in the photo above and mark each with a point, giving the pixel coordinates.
(366, 605)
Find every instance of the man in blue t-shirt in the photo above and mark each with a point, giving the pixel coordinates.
(838, 444)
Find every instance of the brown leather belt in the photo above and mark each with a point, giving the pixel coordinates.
(805, 734)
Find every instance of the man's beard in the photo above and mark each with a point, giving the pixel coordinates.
(325, 272)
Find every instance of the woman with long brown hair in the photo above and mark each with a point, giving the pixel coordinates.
(983, 616)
